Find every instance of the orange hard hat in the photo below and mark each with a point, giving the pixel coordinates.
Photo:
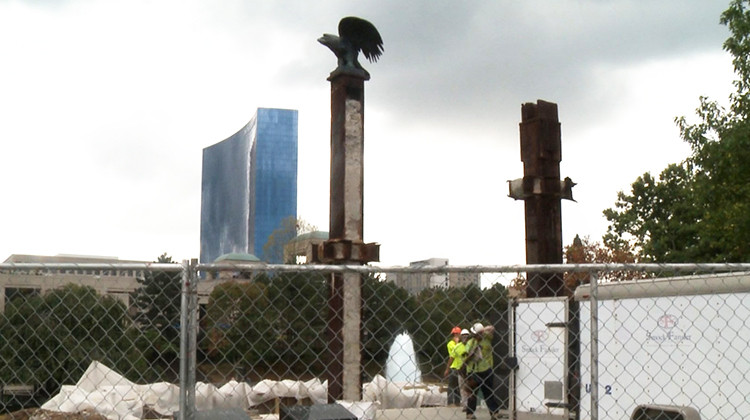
(456, 330)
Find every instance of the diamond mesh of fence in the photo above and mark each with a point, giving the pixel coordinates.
(60, 322)
(132, 341)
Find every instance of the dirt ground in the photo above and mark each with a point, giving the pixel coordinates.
(39, 414)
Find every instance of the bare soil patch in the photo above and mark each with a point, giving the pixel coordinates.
(39, 414)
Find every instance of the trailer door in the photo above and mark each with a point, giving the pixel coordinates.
(540, 327)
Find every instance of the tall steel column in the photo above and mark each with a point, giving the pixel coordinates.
(542, 192)
(345, 244)
(541, 189)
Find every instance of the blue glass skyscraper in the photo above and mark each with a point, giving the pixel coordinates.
(249, 186)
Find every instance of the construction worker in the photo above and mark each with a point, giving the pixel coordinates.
(461, 351)
(479, 373)
(451, 369)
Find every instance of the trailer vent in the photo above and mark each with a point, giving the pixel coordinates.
(553, 390)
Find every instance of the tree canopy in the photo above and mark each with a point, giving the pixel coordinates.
(587, 251)
(157, 305)
(277, 322)
(699, 210)
(49, 340)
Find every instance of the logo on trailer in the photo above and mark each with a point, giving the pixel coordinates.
(667, 322)
(540, 346)
(667, 332)
(540, 336)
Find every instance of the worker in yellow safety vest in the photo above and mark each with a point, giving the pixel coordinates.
(451, 369)
(479, 366)
(460, 352)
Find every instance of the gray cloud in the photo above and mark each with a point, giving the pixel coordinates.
(475, 61)
(133, 91)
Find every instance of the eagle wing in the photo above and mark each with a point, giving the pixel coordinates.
(363, 36)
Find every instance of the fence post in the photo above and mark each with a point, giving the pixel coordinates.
(512, 304)
(594, 345)
(188, 339)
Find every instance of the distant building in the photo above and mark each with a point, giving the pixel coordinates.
(416, 282)
(116, 282)
(236, 258)
(249, 186)
(300, 249)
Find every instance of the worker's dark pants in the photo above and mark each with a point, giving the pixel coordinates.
(481, 381)
(454, 390)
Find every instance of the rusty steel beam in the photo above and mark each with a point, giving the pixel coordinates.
(345, 244)
(541, 156)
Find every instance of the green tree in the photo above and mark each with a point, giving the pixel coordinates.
(439, 309)
(699, 210)
(386, 311)
(661, 218)
(157, 304)
(238, 322)
(276, 324)
(50, 340)
(270, 322)
(300, 300)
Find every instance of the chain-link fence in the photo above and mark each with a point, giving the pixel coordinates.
(66, 328)
(132, 341)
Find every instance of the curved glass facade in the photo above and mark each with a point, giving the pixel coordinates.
(249, 186)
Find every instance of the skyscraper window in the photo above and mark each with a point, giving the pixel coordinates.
(249, 186)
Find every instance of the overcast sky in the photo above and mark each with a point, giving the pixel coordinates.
(105, 108)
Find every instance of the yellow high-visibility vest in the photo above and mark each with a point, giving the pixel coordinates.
(483, 360)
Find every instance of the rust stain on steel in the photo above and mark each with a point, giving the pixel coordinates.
(346, 220)
(541, 156)
(345, 244)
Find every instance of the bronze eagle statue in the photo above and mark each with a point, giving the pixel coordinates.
(355, 35)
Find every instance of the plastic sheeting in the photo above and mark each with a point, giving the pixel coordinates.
(402, 394)
(110, 394)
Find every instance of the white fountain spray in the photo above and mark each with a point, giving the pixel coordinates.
(401, 365)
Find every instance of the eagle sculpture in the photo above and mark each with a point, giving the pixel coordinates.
(355, 35)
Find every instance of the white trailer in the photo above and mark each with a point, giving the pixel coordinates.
(680, 341)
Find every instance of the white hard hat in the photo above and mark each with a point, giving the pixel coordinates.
(477, 327)
(464, 332)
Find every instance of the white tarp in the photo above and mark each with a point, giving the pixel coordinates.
(402, 395)
(108, 393)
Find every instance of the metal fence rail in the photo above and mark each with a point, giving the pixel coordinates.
(136, 341)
